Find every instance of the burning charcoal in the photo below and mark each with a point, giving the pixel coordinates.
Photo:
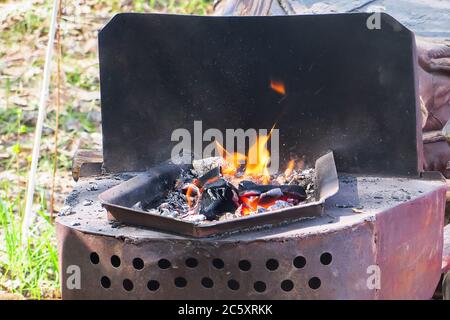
(246, 185)
(203, 166)
(270, 196)
(218, 197)
(290, 191)
(294, 192)
(194, 189)
(210, 176)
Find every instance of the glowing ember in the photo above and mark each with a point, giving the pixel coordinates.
(191, 192)
(278, 86)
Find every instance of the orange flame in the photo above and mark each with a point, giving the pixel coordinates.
(278, 86)
(289, 168)
(232, 160)
(190, 190)
(257, 160)
(250, 204)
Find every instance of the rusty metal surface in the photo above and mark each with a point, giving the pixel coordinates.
(342, 278)
(446, 250)
(374, 236)
(153, 183)
(410, 247)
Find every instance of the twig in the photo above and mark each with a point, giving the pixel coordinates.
(29, 214)
(58, 107)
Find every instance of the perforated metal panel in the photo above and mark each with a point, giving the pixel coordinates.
(285, 269)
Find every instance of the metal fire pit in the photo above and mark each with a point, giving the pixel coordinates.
(329, 257)
(379, 237)
(155, 182)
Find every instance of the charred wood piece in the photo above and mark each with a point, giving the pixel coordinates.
(249, 189)
(218, 197)
(209, 177)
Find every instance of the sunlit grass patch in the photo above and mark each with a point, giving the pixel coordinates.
(30, 269)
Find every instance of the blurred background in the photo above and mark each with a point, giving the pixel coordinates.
(32, 271)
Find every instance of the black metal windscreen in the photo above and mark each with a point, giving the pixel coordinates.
(349, 88)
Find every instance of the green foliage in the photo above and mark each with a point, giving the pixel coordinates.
(31, 269)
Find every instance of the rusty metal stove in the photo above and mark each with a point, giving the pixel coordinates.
(162, 72)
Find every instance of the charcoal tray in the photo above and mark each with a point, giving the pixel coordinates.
(155, 182)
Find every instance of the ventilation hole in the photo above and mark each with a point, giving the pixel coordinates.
(127, 284)
(233, 285)
(326, 258)
(299, 262)
(115, 261)
(95, 259)
(105, 282)
(153, 285)
(138, 263)
(272, 264)
(207, 283)
(245, 265)
(259, 286)
(314, 283)
(164, 264)
(287, 285)
(180, 282)
(218, 263)
(191, 262)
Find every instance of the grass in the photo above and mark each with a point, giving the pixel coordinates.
(32, 270)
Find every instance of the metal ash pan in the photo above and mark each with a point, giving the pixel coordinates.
(156, 183)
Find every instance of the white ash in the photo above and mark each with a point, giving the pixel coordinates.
(87, 202)
(229, 216)
(195, 218)
(65, 211)
(92, 186)
(304, 178)
(280, 204)
(137, 206)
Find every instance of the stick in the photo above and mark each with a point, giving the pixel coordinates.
(58, 107)
(29, 214)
